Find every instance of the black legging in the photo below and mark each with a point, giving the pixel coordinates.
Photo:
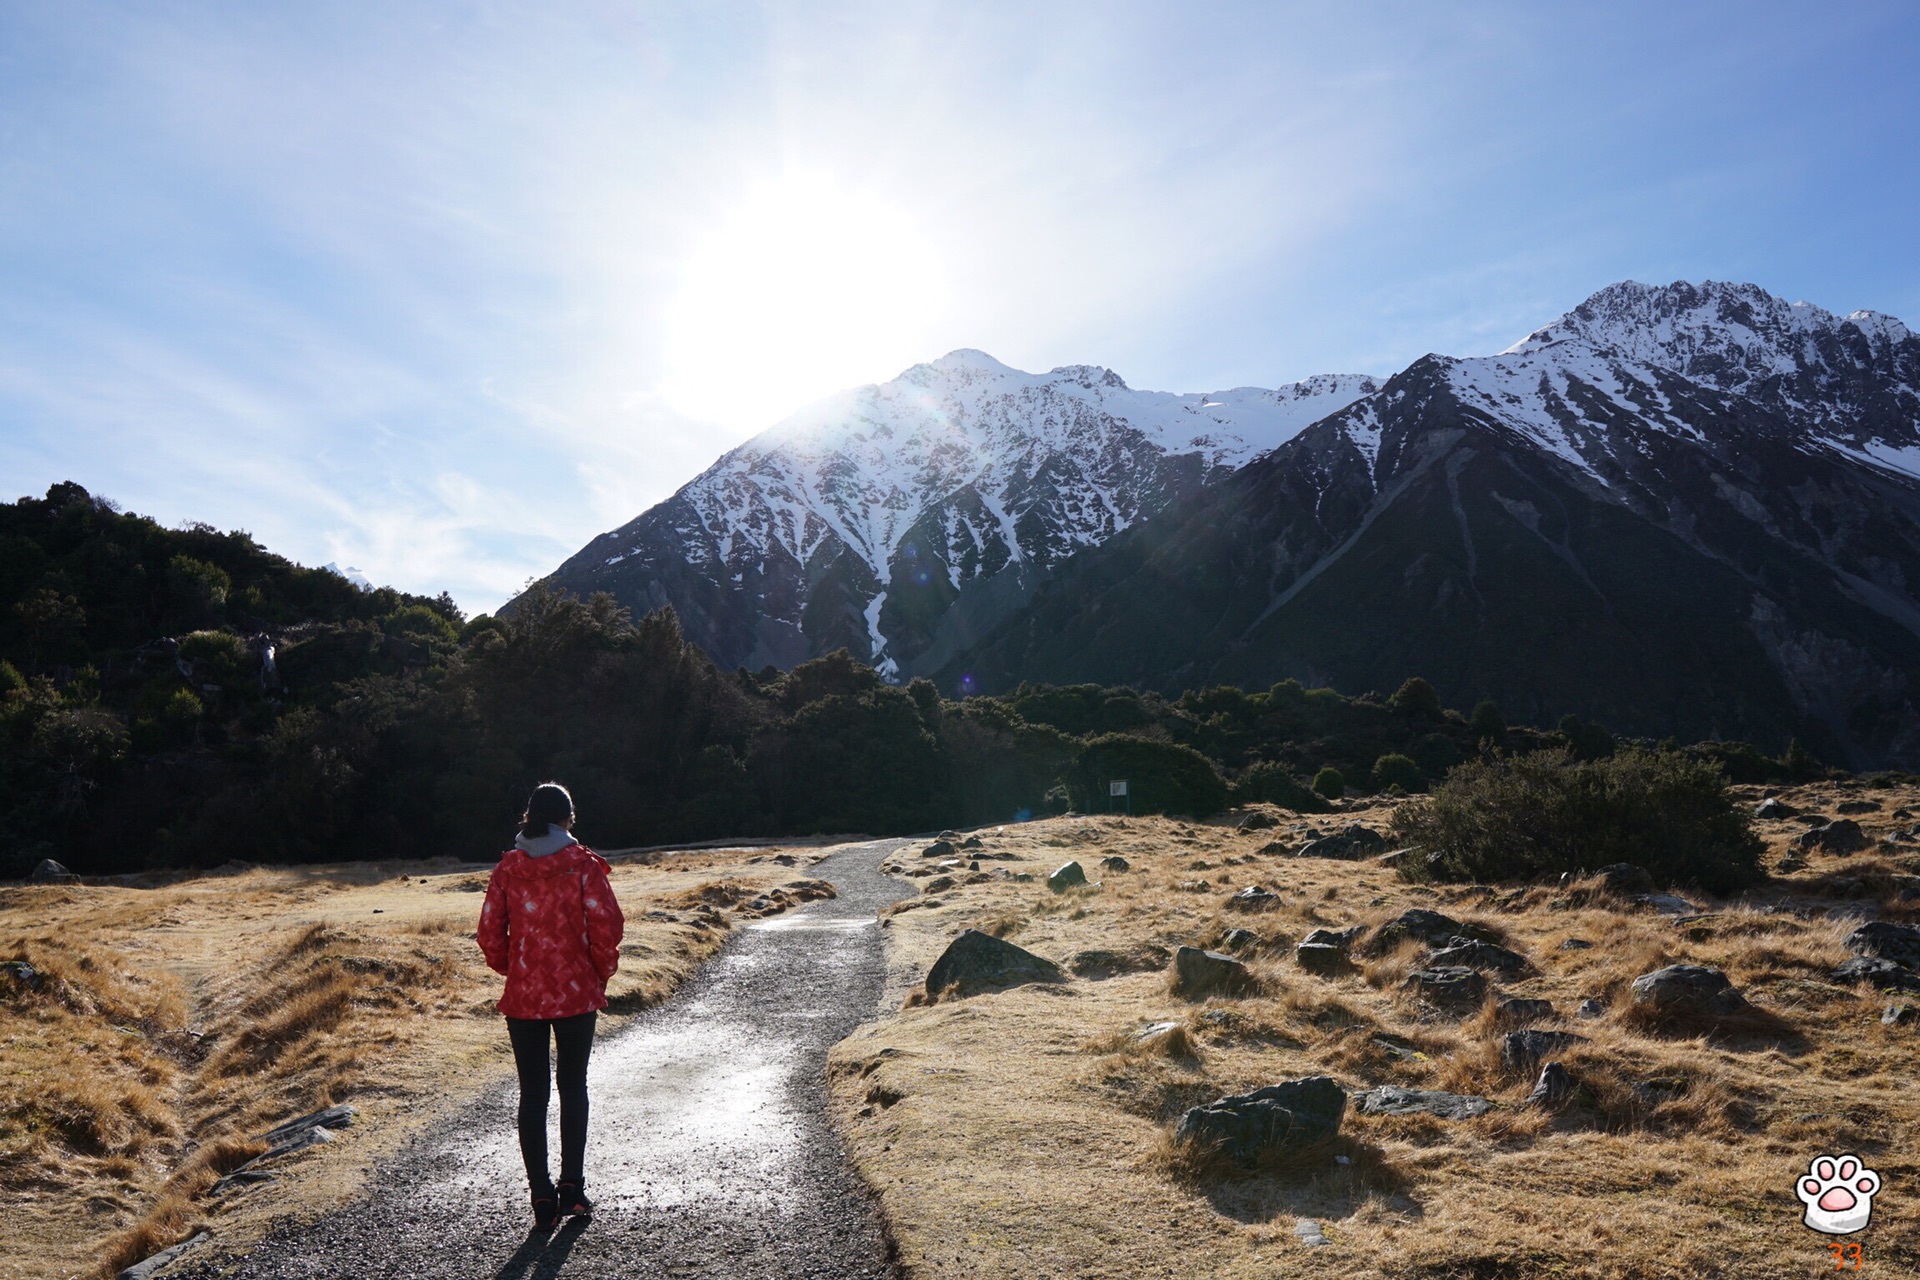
(573, 1042)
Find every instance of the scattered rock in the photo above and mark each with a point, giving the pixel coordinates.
(1103, 963)
(51, 872)
(1267, 1122)
(1258, 821)
(938, 849)
(1687, 990)
(1899, 943)
(1842, 835)
(971, 842)
(1478, 955)
(1392, 1100)
(1023, 877)
(152, 1266)
(1666, 904)
(1066, 876)
(1554, 1086)
(1399, 1048)
(1625, 879)
(1309, 1233)
(1590, 1008)
(1459, 989)
(1195, 886)
(1900, 1015)
(1775, 809)
(1275, 849)
(1341, 938)
(1857, 806)
(1254, 898)
(1355, 842)
(1153, 1031)
(1883, 974)
(1520, 1050)
(1430, 927)
(1199, 973)
(939, 884)
(1576, 944)
(1519, 1010)
(976, 962)
(1114, 862)
(1240, 939)
(22, 974)
(1791, 863)
(1321, 958)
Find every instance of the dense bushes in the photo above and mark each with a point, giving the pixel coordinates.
(1162, 777)
(1546, 813)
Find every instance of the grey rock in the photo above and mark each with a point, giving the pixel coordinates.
(1422, 925)
(1666, 904)
(1900, 1015)
(1271, 1121)
(1899, 943)
(1775, 808)
(1517, 1010)
(1114, 862)
(971, 842)
(1625, 879)
(976, 962)
(1842, 835)
(51, 872)
(1484, 956)
(1521, 1049)
(335, 1117)
(150, 1267)
(1354, 842)
(1687, 990)
(1590, 1008)
(1457, 989)
(1857, 806)
(1392, 1100)
(22, 974)
(1576, 944)
(1399, 1048)
(1321, 958)
(1066, 877)
(1199, 973)
(1254, 898)
(1240, 939)
(1309, 1234)
(242, 1178)
(938, 849)
(1885, 975)
(1554, 1086)
(939, 884)
(1153, 1031)
(1257, 821)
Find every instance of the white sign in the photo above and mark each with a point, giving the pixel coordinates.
(1118, 787)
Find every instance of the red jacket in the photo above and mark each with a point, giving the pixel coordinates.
(551, 925)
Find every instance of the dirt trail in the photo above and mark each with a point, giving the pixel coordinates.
(710, 1153)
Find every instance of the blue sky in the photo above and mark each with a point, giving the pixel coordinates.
(443, 290)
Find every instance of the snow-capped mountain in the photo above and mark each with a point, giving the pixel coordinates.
(1688, 509)
(902, 520)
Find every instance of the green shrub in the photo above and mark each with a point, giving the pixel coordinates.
(1267, 781)
(1396, 770)
(418, 620)
(1547, 813)
(1330, 782)
(220, 654)
(10, 677)
(1162, 777)
(1417, 698)
(1488, 724)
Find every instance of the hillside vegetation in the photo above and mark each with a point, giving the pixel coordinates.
(184, 697)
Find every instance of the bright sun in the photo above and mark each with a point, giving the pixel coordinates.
(807, 288)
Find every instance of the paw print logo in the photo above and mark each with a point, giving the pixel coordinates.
(1838, 1192)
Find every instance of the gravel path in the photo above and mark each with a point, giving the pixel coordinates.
(709, 1153)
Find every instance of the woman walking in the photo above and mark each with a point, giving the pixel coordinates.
(551, 925)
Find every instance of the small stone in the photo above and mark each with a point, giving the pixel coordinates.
(1775, 809)
(1254, 898)
(1153, 1031)
(1199, 973)
(1841, 836)
(1857, 806)
(1309, 1233)
(1483, 956)
(1554, 1086)
(1900, 1015)
(1687, 990)
(1458, 989)
(1321, 958)
(1066, 877)
(1521, 1049)
(976, 962)
(1240, 939)
(1429, 927)
(1392, 1100)
(971, 842)
(1341, 938)
(1518, 1010)
(1257, 821)
(1576, 944)
(1354, 842)
(153, 1266)
(22, 974)
(51, 872)
(1885, 975)
(938, 849)
(1590, 1008)
(1270, 1121)
(1114, 862)
(939, 884)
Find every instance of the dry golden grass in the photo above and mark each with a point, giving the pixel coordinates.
(1029, 1132)
(177, 1022)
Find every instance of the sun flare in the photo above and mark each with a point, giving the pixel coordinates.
(806, 288)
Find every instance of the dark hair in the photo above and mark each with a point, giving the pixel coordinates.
(549, 804)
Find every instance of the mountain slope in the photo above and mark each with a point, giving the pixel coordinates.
(1686, 509)
(903, 520)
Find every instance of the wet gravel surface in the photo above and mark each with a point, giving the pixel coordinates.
(709, 1151)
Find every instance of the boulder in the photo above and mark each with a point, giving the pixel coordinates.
(1199, 973)
(1392, 1100)
(1240, 939)
(1519, 1010)
(1576, 944)
(938, 849)
(1775, 808)
(1484, 956)
(1254, 898)
(1842, 835)
(1885, 975)
(1321, 958)
(1459, 989)
(1341, 938)
(149, 1267)
(1114, 862)
(1275, 848)
(1554, 1086)
(971, 842)
(51, 872)
(1354, 842)
(1520, 1050)
(1429, 927)
(1269, 1122)
(1857, 806)
(939, 884)
(1066, 877)
(1625, 879)
(1899, 943)
(1257, 821)
(1666, 904)
(976, 962)
(1687, 991)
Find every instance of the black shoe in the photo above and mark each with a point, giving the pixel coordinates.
(546, 1213)
(573, 1200)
